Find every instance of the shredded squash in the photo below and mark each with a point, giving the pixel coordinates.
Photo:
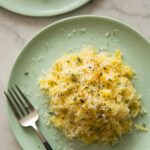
(92, 96)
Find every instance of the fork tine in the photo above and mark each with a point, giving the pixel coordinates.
(13, 106)
(26, 108)
(25, 99)
(16, 102)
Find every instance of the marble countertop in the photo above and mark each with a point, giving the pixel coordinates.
(16, 30)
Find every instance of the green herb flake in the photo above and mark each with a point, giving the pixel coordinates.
(51, 113)
(26, 73)
(79, 60)
(144, 125)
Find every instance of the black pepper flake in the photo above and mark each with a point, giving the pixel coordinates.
(26, 73)
(90, 67)
(101, 74)
(82, 101)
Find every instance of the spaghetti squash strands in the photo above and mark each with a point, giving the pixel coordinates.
(92, 96)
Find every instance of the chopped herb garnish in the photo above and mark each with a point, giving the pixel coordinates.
(97, 129)
(74, 78)
(144, 125)
(51, 113)
(75, 99)
(79, 60)
(101, 86)
(61, 94)
(92, 92)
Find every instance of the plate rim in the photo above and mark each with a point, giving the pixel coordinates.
(47, 13)
(43, 30)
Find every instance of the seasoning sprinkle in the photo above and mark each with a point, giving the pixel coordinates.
(26, 73)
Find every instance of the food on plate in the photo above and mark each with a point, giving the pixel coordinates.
(92, 96)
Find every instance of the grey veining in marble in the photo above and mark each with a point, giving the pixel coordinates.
(16, 30)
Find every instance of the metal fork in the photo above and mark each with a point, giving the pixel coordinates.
(24, 111)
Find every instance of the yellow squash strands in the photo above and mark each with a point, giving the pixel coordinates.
(92, 96)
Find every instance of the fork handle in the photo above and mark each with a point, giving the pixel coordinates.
(47, 146)
(42, 138)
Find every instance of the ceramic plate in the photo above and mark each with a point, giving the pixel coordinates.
(70, 35)
(42, 7)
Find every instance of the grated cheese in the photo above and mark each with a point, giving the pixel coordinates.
(92, 96)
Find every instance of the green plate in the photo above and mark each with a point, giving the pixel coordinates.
(69, 35)
(39, 8)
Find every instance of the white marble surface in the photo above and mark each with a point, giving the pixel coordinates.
(15, 30)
